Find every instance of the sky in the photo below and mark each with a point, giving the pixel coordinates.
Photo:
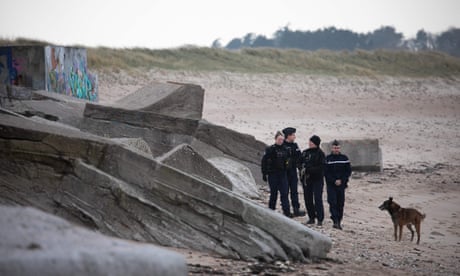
(173, 23)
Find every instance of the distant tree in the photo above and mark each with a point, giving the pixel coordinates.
(421, 38)
(234, 44)
(449, 42)
(216, 44)
(335, 39)
(384, 38)
(262, 41)
(346, 40)
(285, 38)
(248, 40)
(424, 41)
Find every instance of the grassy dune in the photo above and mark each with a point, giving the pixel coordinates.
(358, 63)
(361, 63)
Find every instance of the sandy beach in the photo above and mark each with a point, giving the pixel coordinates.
(417, 122)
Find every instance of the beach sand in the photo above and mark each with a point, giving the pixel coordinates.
(417, 122)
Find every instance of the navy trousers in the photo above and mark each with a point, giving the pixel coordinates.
(336, 200)
(278, 183)
(313, 195)
(293, 181)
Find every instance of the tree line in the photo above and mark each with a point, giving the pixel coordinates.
(332, 38)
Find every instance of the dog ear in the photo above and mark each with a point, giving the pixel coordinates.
(391, 199)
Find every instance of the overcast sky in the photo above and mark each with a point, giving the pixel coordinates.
(173, 23)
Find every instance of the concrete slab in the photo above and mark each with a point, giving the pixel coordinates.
(36, 243)
(172, 99)
(364, 154)
(106, 186)
(185, 158)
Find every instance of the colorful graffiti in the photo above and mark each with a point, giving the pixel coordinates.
(25, 66)
(82, 84)
(55, 67)
(19, 71)
(58, 69)
(68, 74)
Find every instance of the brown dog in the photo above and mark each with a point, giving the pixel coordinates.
(403, 216)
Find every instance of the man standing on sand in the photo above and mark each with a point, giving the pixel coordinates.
(273, 166)
(312, 177)
(337, 173)
(292, 179)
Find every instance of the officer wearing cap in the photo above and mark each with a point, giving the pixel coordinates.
(292, 179)
(337, 173)
(312, 177)
(274, 165)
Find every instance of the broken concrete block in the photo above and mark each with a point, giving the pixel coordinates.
(364, 154)
(135, 143)
(185, 158)
(172, 99)
(36, 243)
(240, 176)
(106, 186)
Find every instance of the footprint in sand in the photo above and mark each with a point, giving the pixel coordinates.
(436, 233)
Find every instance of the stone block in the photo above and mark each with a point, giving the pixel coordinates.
(364, 154)
(172, 99)
(37, 243)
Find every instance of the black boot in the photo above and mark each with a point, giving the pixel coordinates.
(299, 213)
(289, 215)
(337, 225)
(311, 221)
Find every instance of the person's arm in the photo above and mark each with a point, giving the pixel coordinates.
(329, 173)
(300, 161)
(264, 163)
(297, 156)
(347, 170)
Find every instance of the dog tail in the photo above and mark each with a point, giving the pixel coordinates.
(423, 216)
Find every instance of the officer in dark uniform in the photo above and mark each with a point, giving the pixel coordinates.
(312, 177)
(337, 173)
(274, 164)
(294, 158)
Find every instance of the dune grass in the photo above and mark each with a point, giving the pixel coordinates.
(268, 60)
(360, 63)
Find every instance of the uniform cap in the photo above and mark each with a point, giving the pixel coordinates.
(288, 131)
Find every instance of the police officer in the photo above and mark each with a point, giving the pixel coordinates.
(274, 164)
(292, 179)
(312, 177)
(337, 173)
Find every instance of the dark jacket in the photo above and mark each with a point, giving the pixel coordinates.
(293, 154)
(337, 167)
(275, 159)
(313, 161)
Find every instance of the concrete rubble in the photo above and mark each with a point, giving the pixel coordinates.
(131, 172)
(33, 242)
(364, 154)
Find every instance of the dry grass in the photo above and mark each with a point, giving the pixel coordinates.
(360, 63)
(267, 60)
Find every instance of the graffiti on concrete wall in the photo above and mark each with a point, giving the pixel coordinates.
(68, 73)
(22, 66)
(19, 71)
(53, 68)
